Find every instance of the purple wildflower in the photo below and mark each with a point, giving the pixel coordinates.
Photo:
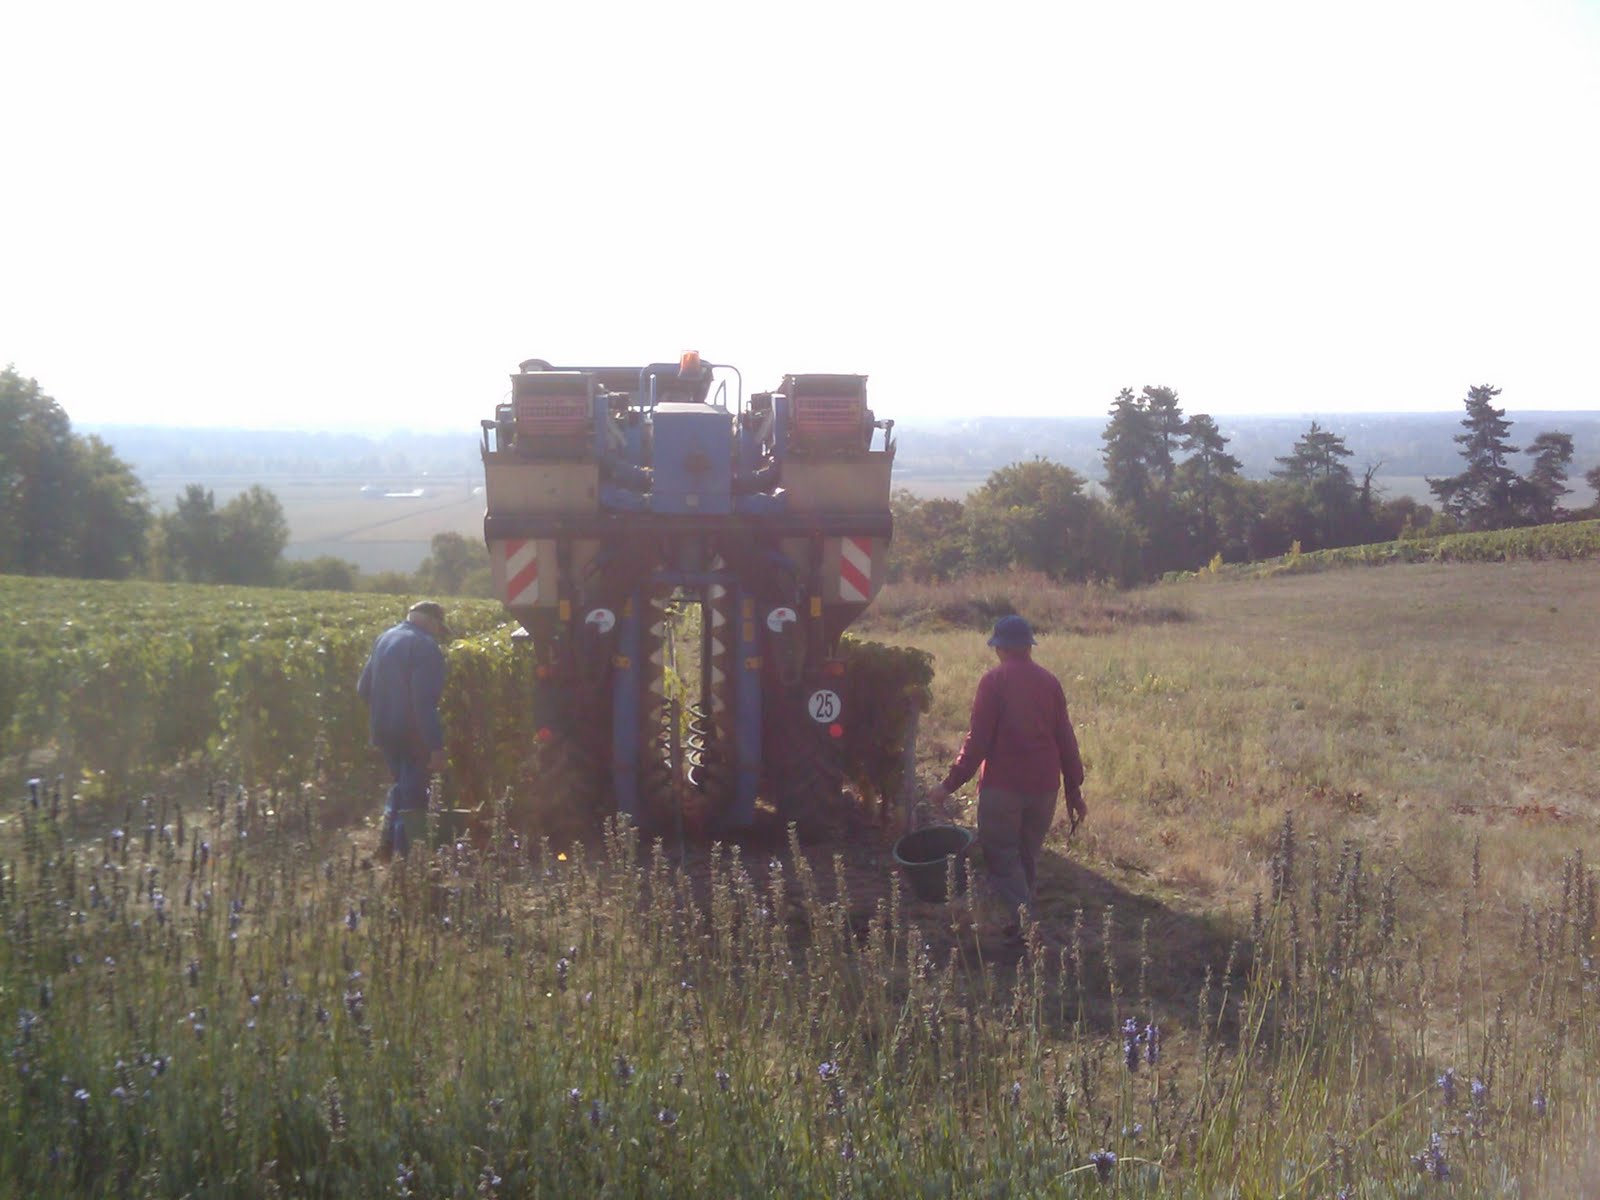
(623, 1070)
(1447, 1087)
(667, 1117)
(1431, 1162)
(1105, 1162)
(827, 1071)
(1130, 1043)
(1480, 1092)
(1152, 1043)
(723, 1080)
(1540, 1104)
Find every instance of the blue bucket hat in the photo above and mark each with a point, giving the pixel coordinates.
(1011, 633)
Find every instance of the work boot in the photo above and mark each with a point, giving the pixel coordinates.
(385, 848)
(410, 829)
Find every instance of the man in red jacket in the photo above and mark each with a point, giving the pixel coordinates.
(1022, 737)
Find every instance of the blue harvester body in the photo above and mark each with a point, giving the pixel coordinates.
(617, 498)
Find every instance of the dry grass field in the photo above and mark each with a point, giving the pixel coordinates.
(1416, 711)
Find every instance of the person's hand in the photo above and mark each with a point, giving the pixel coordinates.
(437, 761)
(936, 794)
(1077, 810)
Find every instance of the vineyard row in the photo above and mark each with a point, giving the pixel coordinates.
(117, 682)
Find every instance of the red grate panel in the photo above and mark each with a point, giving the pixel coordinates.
(828, 414)
(553, 415)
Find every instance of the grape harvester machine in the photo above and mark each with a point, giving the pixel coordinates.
(619, 498)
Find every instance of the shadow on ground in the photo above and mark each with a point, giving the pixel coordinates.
(1093, 929)
(1161, 955)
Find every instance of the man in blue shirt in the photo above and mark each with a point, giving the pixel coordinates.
(401, 684)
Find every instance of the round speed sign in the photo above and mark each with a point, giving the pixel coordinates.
(824, 706)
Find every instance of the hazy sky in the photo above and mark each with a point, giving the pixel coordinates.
(346, 215)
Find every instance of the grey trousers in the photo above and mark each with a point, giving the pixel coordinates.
(1011, 830)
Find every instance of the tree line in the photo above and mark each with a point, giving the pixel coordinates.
(1173, 498)
(70, 507)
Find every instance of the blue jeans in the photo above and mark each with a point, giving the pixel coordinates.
(408, 795)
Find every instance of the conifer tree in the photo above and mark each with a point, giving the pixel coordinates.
(1482, 496)
(1547, 481)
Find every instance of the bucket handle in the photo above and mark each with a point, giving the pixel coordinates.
(924, 812)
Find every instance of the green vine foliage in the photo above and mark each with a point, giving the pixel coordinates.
(1572, 541)
(488, 723)
(122, 681)
(888, 684)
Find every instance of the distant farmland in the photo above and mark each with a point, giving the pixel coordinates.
(333, 517)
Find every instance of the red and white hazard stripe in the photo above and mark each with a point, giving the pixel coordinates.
(522, 571)
(855, 569)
